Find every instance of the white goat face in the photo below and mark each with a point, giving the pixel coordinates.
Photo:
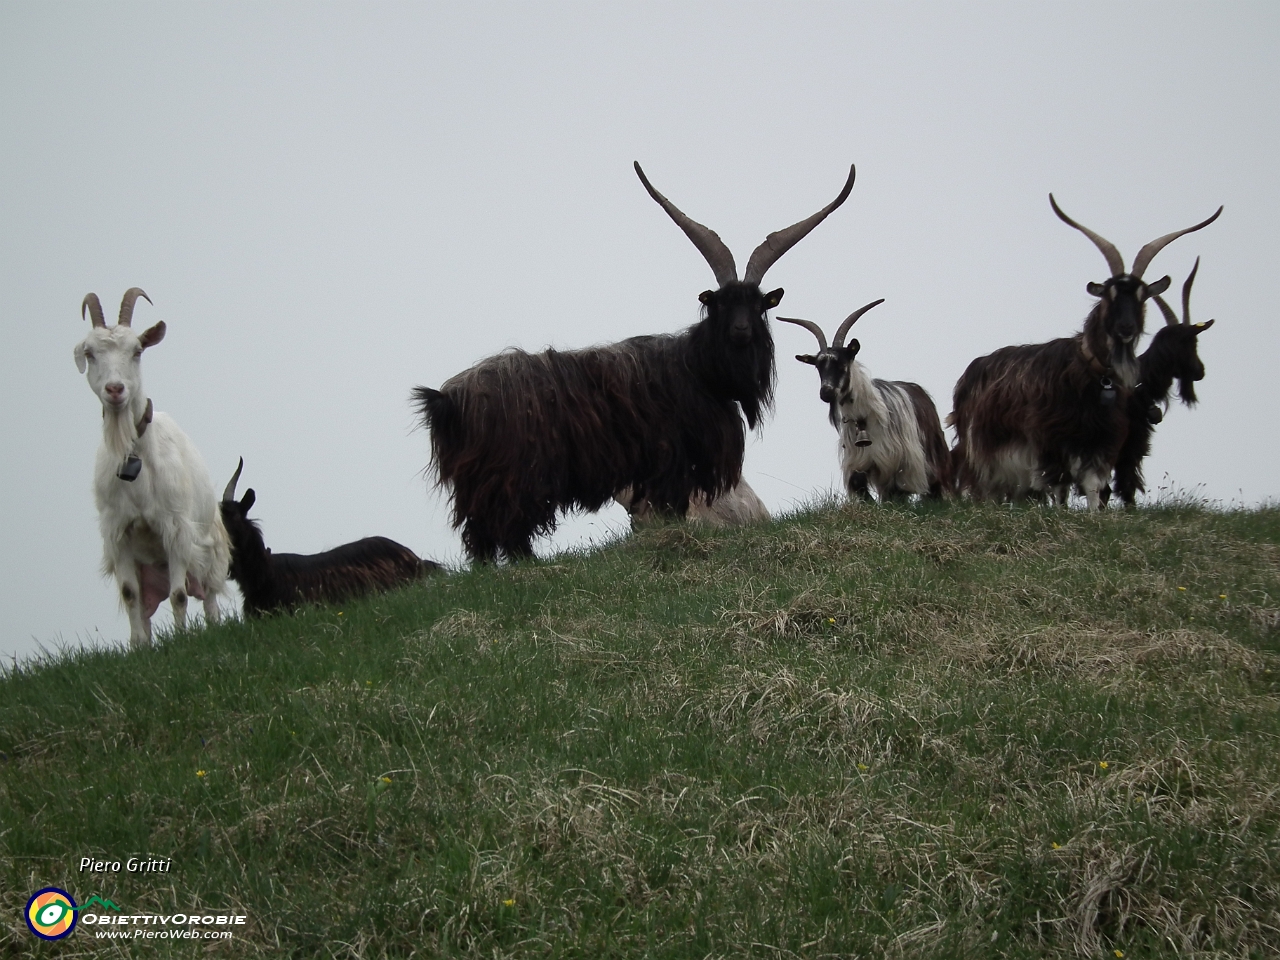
(112, 356)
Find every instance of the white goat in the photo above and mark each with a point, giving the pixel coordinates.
(162, 534)
(890, 434)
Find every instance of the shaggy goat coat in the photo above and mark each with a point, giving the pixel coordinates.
(271, 582)
(521, 436)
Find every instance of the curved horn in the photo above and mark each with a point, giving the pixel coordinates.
(94, 306)
(1186, 293)
(1148, 253)
(779, 242)
(850, 320)
(705, 239)
(811, 327)
(126, 305)
(1115, 262)
(1170, 318)
(230, 492)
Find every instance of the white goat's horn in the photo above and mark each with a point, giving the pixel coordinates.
(811, 327)
(94, 306)
(126, 305)
(230, 492)
(779, 242)
(705, 239)
(1115, 262)
(850, 320)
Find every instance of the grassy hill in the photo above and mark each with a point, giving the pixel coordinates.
(938, 731)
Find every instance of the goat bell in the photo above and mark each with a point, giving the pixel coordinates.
(130, 469)
(1108, 395)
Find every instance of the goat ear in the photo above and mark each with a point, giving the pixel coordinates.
(248, 499)
(1202, 327)
(807, 358)
(153, 335)
(78, 353)
(853, 346)
(773, 298)
(1160, 286)
(706, 296)
(1096, 289)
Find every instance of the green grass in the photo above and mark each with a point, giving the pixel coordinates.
(938, 731)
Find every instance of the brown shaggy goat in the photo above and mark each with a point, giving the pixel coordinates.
(1039, 418)
(520, 437)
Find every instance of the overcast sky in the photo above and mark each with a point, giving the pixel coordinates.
(329, 204)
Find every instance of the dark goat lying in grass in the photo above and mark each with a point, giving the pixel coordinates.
(1172, 355)
(272, 582)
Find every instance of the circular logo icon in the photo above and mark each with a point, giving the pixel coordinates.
(51, 913)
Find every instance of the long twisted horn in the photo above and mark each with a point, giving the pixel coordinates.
(850, 320)
(705, 239)
(94, 306)
(230, 492)
(779, 242)
(811, 327)
(1115, 262)
(1148, 253)
(126, 305)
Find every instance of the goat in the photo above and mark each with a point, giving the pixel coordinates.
(157, 510)
(1037, 418)
(1171, 355)
(890, 434)
(272, 582)
(520, 437)
(734, 508)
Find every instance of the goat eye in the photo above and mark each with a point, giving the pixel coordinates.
(137, 353)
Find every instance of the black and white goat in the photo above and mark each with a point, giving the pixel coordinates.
(1038, 418)
(890, 434)
(157, 510)
(1171, 355)
(520, 437)
(272, 582)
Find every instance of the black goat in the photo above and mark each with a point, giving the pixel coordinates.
(1038, 418)
(520, 437)
(1171, 355)
(272, 582)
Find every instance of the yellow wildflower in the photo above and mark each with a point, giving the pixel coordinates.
(862, 766)
(1118, 953)
(1056, 845)
(386, 779)
(508, 903)
(1182, 588)
(199, 773)
(1102, 764)
(1222, 596)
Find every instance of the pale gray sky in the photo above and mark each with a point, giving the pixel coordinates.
(330, 203)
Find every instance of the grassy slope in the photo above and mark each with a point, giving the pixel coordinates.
(938, 731)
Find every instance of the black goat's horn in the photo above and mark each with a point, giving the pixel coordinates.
(126, 305)
(230, 493)
(94, 306)
(1115, 262)
(852, 318)
(779, 242)
(1170, 318)
(1186, 293)
(705, 239)
(811, 327)
(1148, 253)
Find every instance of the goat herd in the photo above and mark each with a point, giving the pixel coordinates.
(654, 422)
